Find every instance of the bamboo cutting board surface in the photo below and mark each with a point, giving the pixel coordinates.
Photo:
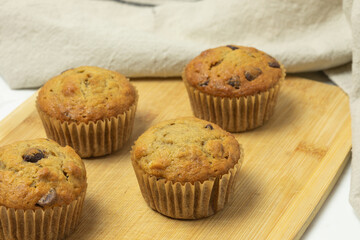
(290, 166)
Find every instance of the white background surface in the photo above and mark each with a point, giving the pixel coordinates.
(335, 220)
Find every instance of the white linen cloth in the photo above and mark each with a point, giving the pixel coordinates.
(40, 38)
(352, 10)
(144, 38)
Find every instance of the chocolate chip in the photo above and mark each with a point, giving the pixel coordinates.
(203, 84)
(216, 63)
(47, 199)
(209, 126)
(66, 175)
(232, 47)
(234, 82)
(33, 155)
(274, 64)
(252, 73)
(248, 76)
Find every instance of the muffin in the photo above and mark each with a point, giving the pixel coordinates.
(186, 168)
(42, 189)
(233, 86)
(88, 108)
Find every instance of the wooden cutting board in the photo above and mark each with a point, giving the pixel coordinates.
(291, 165)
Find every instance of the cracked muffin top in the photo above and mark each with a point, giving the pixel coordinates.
(86, 94)
(186, 150)
(233, 71)
(40, 173)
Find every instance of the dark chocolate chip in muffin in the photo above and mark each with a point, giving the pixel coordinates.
(209, 126)
(232, 47)
(234, 82)
(47, 199)
(253, 73)
(33, 155)
(66, 175)
(203, 84)
(274, 64)
(216, 63)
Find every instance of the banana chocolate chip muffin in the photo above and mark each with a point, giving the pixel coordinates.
(42, 189)
(88, 108)
(186, 167)
(233, 86)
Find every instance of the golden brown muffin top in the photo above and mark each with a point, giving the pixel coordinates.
(40, 173)
(233, 71)
(86, 94)
(186, 150)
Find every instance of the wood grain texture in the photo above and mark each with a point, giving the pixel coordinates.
(290, 167)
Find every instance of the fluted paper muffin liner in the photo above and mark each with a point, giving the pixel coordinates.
(48, 223)
(236, 114)
(92, 139)
(188, 200)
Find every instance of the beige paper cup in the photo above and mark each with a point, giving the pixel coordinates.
(236, 114)
(48, 223)
(92, 139)
(189, 200)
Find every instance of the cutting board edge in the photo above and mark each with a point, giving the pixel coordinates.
(324, 197)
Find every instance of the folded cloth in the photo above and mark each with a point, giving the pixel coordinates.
(40, 38)
(147, 38)
(352, 10)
